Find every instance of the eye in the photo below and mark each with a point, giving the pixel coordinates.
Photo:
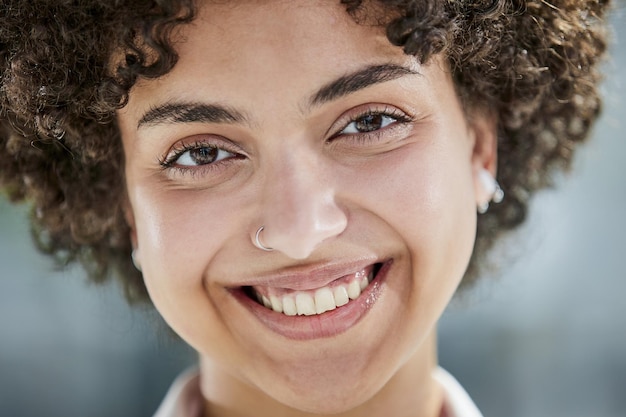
(201, 155)
(369, 123)
(187, 156)
(372, 124)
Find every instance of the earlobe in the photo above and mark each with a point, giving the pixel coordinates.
(134, 255)
(483, 129)
(130, 220)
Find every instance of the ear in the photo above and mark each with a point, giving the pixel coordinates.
(483, 127)
(129, 215)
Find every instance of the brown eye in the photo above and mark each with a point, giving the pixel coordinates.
(202, 155)
(369, 123)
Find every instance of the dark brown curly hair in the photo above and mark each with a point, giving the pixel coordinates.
(66, 66)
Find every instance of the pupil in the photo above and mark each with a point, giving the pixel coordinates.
(203, 156)
(369, 123)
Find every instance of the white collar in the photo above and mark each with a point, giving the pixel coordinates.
(184, 398)
(457, 401)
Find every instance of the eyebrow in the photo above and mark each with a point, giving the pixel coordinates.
(184, 112)
(359, 80)
(190, 113)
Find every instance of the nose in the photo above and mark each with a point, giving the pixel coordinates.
(298, 206)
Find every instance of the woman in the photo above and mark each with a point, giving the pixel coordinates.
(302, 185)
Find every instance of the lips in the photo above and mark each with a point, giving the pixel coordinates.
(307, 303)
(315, 312)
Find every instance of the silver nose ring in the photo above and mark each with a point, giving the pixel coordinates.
(257, 241)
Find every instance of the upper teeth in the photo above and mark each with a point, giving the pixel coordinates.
(308, 303)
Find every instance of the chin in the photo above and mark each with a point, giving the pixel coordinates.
(333, 398)
(328, 389)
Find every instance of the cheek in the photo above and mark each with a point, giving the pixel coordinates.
(178, 233)
(424, 184)
(425, 193)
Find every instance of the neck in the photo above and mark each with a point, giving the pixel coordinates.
(411, 392)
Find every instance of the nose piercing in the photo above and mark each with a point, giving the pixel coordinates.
(257, 241)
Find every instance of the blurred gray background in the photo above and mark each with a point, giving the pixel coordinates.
(543, 337)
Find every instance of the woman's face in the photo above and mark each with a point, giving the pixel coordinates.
(356, 160)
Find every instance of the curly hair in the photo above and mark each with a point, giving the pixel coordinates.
(66, 66)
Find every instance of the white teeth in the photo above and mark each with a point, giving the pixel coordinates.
(354, 290)
(341, 296)
(366, 279)
(289, 306)
(308, 303)
(305, 304)
(277, 304)
(324, 300)
(363, 283)
(266, 301)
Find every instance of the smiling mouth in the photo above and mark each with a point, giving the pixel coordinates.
(338, 293)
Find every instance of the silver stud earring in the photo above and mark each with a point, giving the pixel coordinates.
(492, 189)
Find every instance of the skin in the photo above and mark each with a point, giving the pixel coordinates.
(407, 193)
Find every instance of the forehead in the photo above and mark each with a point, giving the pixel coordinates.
(280, 26)
(254, 50)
